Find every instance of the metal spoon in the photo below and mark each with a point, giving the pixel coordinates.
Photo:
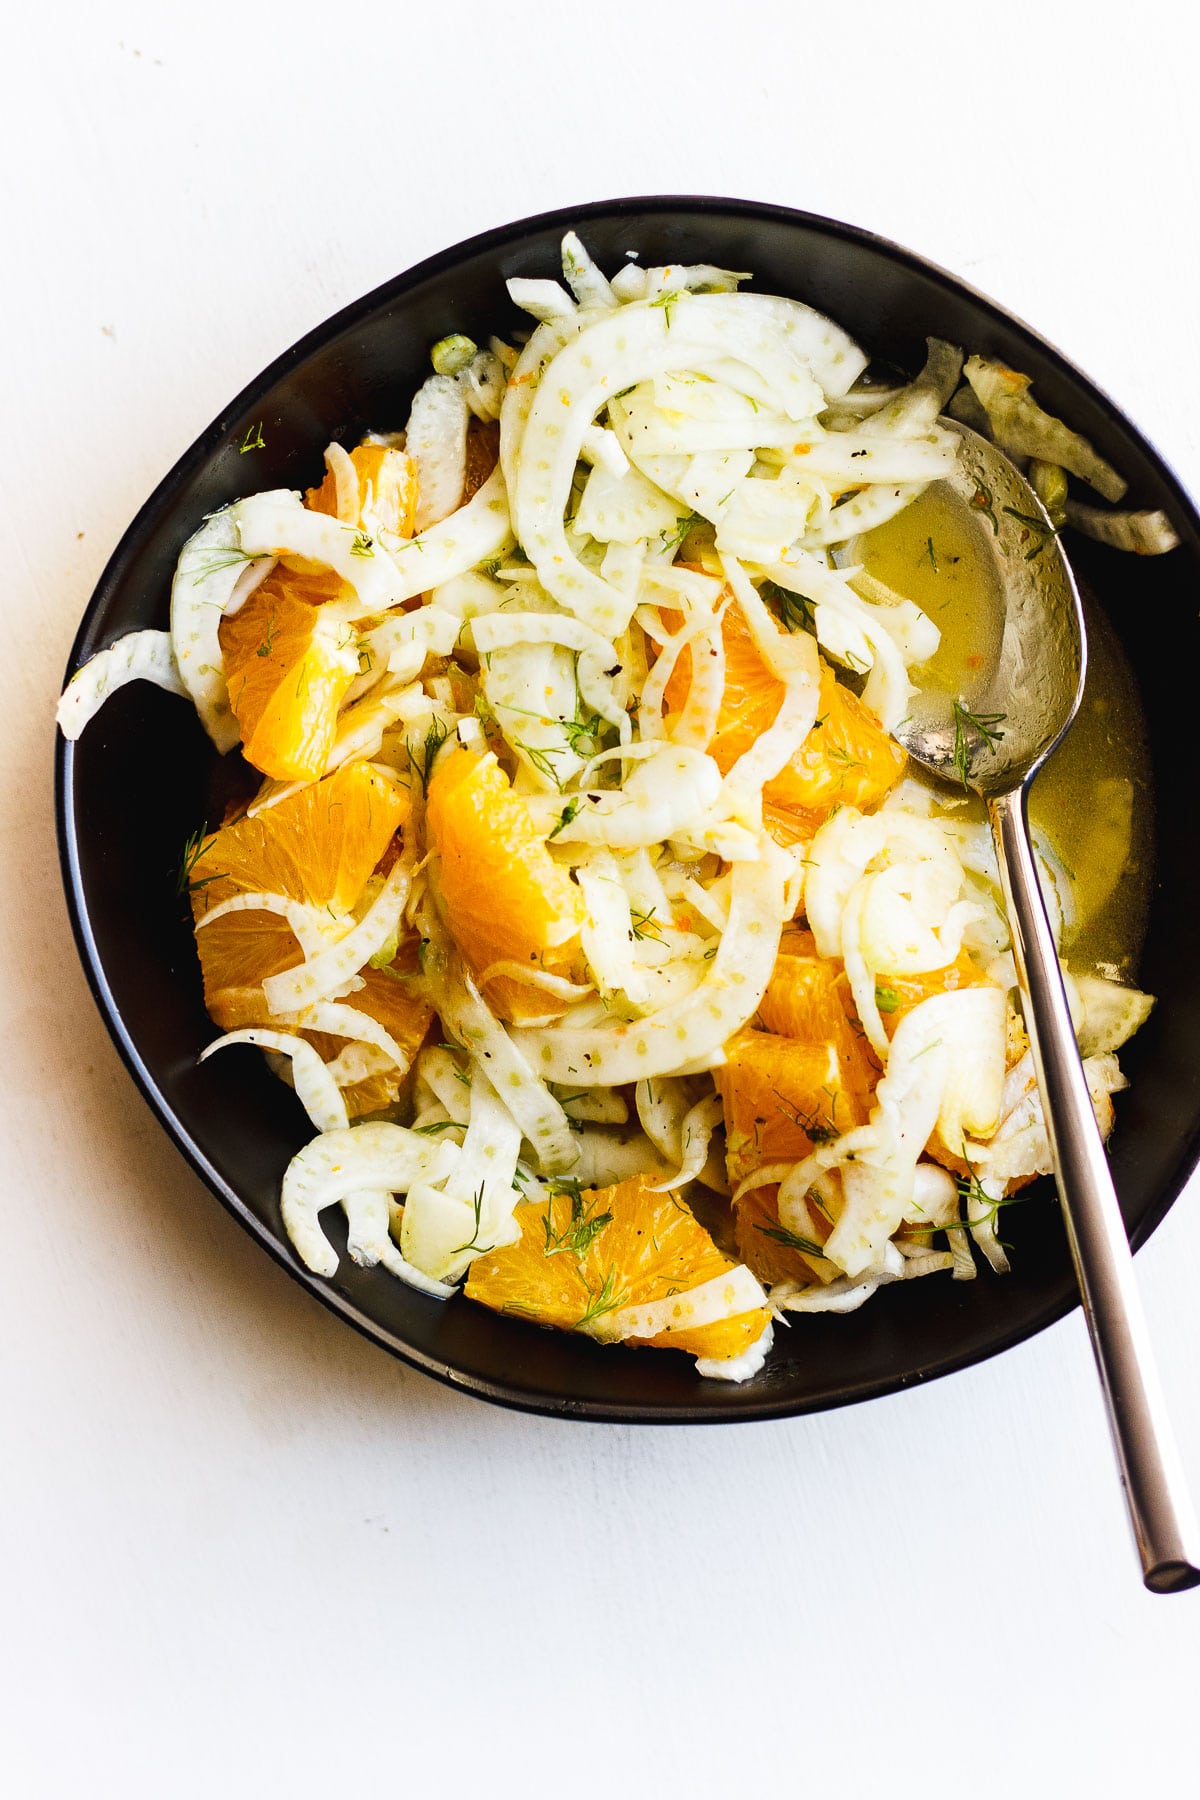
(997, 745)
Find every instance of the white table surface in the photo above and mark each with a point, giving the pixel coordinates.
(244, 1551)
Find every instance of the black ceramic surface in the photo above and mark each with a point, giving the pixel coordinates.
(143, 776)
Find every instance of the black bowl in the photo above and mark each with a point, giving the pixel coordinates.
(143, 776)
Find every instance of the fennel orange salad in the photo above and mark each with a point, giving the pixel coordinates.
(632, 981)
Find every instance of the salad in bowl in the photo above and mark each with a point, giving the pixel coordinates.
(631, 980)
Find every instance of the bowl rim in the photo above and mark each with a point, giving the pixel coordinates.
(528, 1399)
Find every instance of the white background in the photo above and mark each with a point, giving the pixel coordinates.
(243, 1552)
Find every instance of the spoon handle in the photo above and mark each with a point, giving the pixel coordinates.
(1164, 1525)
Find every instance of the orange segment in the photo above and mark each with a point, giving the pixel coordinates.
(896, 995)
(288, 669)
(751, 697)
(803, 996)
(767, 1249)
(808, 998)
(319, 845)
(582, 1256)
(847, 760)
(780, 1097)
(505, 898)
(386, 998)
(237, 953)
(787, 828)
(807, 1075)
(387, 490)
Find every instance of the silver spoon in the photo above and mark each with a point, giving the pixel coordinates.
(996, 747)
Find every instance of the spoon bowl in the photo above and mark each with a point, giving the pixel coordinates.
(993, 742)
(998, 736)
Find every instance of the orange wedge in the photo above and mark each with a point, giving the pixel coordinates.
(387, 490)
(807, 1075)
(808, 998)
(781, 1097)
(896, 995)
(505, 898)
(288, 669)
(769, 1251)
(751, 697)
(319, 845)
(803, 997)
(387, 997)
(786, 827)
(582, 1256)
(847, 760)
